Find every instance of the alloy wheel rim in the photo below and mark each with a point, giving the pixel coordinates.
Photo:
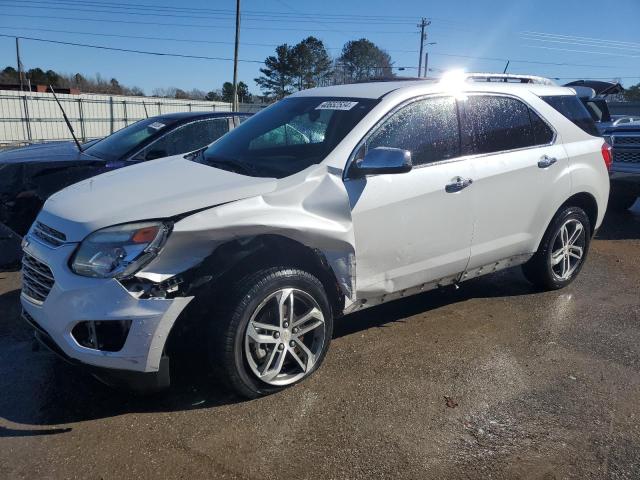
(284, 337)
(567, 249)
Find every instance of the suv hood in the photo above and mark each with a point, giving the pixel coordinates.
(152, 190)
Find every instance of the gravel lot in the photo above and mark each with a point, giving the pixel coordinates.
(492, 380)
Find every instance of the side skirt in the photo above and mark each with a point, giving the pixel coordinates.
(363, 303)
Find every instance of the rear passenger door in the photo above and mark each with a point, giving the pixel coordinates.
(520, 175)
(408, 229)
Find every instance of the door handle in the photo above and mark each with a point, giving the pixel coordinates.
(546, 161)
(458, 184)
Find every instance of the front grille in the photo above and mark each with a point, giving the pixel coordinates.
(48, 235)
(37, 279)
(624, 140)
(626, 156)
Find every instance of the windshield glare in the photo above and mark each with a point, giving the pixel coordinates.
(287, 137)
(120, 143)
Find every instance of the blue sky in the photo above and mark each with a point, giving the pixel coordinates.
(584, 38)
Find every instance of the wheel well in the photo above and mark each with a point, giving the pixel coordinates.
(586, 202)
(238, 258)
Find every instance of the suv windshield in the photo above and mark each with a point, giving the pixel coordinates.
(117, 145)
(287, 137)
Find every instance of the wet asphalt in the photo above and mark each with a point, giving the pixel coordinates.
(491, 380)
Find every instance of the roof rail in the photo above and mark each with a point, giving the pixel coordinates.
(508, 78)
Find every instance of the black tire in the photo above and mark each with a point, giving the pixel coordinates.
(621, 202)
(227, 332)
(539, 269)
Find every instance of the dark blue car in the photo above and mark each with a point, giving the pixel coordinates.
(30, 175)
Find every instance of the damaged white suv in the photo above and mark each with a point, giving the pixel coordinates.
(329, 201)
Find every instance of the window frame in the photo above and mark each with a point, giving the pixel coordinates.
(465, 137)
(467, 140)
(130, 158)
(374, 129)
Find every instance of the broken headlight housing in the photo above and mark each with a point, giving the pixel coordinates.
(119, 251)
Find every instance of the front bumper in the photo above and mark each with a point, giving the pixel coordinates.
(74, 299)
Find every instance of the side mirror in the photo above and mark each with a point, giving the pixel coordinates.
(153, 154)
(382, 160)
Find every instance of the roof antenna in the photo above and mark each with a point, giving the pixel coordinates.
(146, 114)
(66, 119)
(506, 66)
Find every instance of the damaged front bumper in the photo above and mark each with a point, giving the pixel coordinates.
(62, 301)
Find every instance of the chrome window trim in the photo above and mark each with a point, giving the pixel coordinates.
(457, 97)
(229, 123)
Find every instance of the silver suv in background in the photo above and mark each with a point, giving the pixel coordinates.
(330, 201)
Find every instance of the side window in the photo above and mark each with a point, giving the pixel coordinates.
(498, 123)
(542, 133)
(427, 128)
(186, 138)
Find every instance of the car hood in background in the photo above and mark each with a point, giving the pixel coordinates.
(46, 152)
(152, 190)
(600, 87)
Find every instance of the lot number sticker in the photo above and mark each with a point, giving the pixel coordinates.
(156, 125)
(336, 105)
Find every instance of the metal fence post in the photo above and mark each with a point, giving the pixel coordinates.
(27, 120)
(126, 119)
(159, 108)
(111, 111)
(84, 136)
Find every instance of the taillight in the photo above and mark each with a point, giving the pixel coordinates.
(607, 155)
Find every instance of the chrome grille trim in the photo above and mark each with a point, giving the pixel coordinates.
(48, 235)
(37, 279)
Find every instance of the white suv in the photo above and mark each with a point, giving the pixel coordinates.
(332, 200)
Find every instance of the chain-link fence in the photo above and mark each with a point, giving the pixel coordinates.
(31, 117)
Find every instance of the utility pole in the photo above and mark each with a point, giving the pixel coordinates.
(20, 73)
(235, 59)
(424, 23)
(426, 64)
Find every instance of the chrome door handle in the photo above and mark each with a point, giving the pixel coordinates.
(546, 161)
(458, 184)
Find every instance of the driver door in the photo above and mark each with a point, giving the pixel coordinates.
(409, 229)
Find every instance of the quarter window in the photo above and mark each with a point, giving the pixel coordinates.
(427, 128)
(499, 123)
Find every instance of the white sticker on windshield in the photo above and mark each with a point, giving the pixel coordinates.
(336, 105)
(157, 125)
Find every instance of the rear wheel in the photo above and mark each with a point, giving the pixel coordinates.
(562, 252)
(622, 201)
(274, 332)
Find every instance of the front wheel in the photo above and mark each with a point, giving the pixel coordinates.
(562, 251)
(274, 333)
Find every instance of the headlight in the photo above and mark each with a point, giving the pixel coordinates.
(120, 251)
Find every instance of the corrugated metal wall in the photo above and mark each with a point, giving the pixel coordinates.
(27, 117)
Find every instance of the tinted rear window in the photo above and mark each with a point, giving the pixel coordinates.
(571, 107)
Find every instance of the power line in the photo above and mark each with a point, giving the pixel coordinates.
(169, 39)
(271, 18)
(136, 22)
(575, 37)
(155, 53)
(138, 6)
(593, 52)
(535, 62)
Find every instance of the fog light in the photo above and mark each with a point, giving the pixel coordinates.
(106, 335)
